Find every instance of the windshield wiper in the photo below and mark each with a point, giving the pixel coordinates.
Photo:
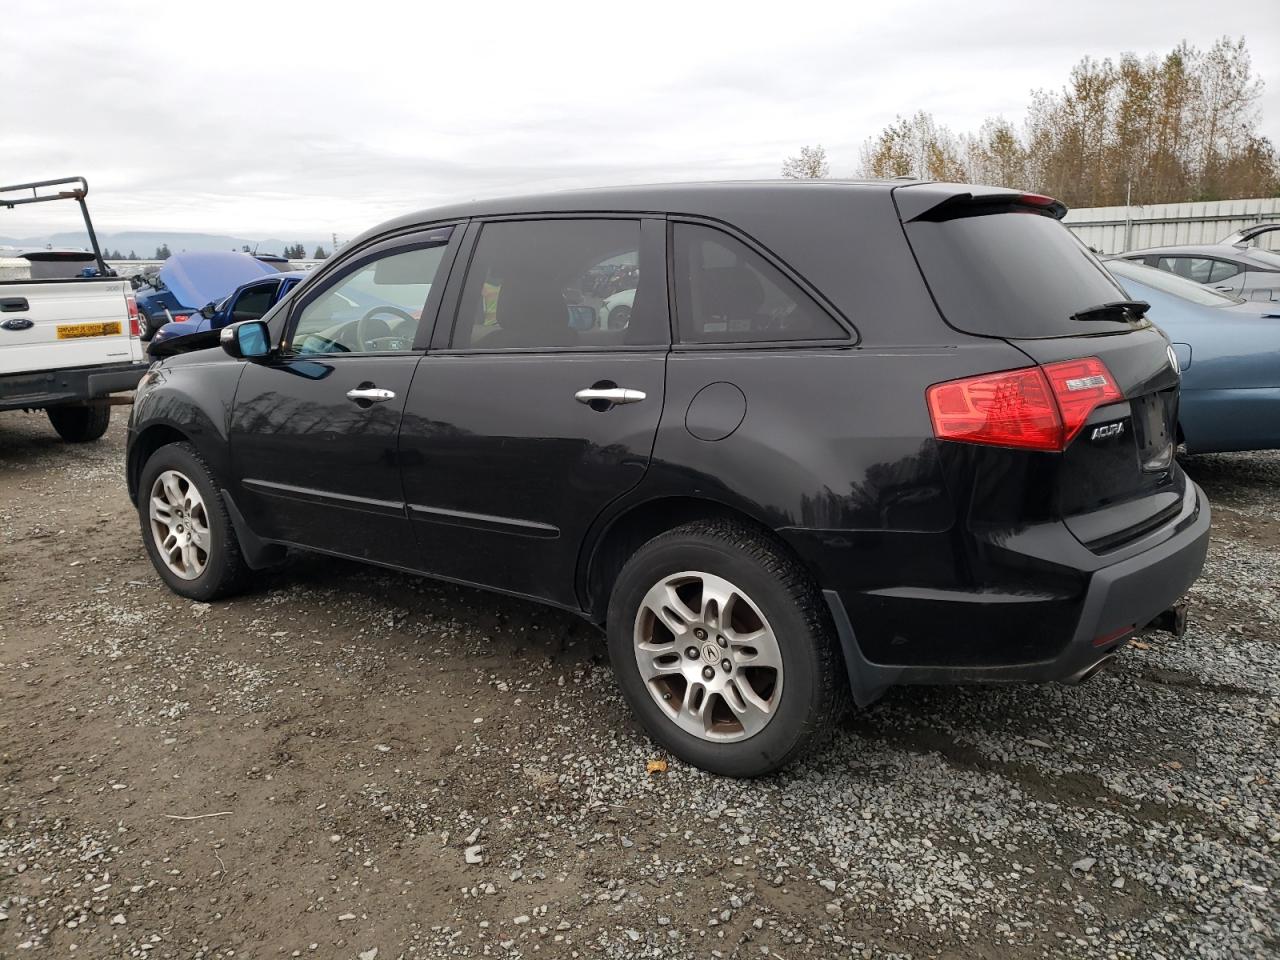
(1121, 310)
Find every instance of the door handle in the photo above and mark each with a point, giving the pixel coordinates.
(609, 395)
(371, 394)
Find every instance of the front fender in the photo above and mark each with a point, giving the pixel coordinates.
(188, 397)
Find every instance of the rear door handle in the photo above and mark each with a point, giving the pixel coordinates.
(371, 394)
(609, 395)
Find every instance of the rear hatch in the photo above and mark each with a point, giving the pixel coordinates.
(1000, 264)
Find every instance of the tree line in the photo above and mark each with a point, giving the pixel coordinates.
(1140, 129)
(295, 252)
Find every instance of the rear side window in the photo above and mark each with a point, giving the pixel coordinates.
(1016, 275)
(560, 284)
(728, 293)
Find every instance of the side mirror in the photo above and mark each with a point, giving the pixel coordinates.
(208, 310)
(246, 341)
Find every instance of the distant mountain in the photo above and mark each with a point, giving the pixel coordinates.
(145, 242)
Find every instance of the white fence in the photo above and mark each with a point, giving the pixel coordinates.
(1117, 229)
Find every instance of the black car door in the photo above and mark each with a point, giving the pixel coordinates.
(313, 429)
(540, 404)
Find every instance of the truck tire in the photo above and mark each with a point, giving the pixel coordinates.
(724, 649)
(80, 424)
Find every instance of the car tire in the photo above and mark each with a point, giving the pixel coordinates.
(81, 423)
(187, 531)
(618, 317)
(772, 599)
(144, 326)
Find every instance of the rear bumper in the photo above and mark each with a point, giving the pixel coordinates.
(1120, 598)
(48, 388)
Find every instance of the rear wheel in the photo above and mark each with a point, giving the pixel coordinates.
(185, 526)
(723, 648)
(80, 424)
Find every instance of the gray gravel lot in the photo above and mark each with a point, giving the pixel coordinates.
(388, 767)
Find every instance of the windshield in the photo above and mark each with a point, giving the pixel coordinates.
(1017, 275)
(1171, 284)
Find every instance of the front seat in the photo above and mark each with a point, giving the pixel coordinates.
(531, 313)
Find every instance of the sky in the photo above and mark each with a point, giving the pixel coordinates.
(310, 118)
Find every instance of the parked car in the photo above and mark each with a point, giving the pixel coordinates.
(249, 301)
(1248, 237)
(1238, 269)
(615, 310)
(68, 326)
(1229, 353)
(845, 453)
(187, 281)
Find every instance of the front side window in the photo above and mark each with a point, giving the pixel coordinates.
(1222, 270)
(728, 293)
(376, 308)
(559, 284)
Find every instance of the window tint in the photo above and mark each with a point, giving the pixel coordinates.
(557, 284)
(374, 309)
(1195, 269)
(1168, 283)
(1222, 270)
(253, 303)
(1018, 275)
(728, 293)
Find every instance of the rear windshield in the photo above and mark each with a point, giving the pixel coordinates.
(1016, 275)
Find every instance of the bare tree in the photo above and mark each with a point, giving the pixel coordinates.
(811, 164)
(914, 147)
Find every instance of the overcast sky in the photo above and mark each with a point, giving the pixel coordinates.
(302, 119)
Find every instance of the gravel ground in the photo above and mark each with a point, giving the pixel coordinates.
(386, 767)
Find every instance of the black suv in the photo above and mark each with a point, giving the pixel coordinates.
(786, 442)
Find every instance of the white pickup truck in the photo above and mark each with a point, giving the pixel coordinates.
(68, 328)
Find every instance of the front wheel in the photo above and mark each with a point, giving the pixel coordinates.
(724, 649)
(185, 526)
(81, 424)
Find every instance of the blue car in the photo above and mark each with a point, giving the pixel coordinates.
(1228, 350)
(189, 280)
(249, 301)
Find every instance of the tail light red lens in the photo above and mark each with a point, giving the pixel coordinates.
(1080, 387)
(134, 329)
(1033, 408)
(179, 317)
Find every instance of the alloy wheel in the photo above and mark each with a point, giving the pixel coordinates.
(179, 524)
(708, 656)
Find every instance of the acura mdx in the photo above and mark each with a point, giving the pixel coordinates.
(843, 436)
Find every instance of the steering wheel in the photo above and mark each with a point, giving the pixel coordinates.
(370, 329)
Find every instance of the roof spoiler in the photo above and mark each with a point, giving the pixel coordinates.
(947, 201)
(1241, 238)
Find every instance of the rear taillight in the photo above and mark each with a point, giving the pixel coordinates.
(1033, 408)
(179, 317)
(134, 329)
(1080, 387)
